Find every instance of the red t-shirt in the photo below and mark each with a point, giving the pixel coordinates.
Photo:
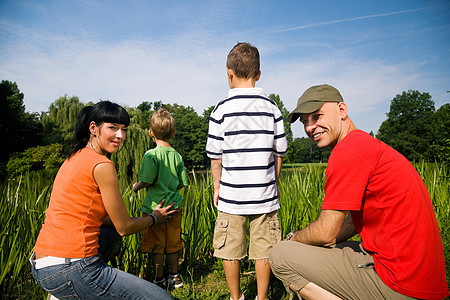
(392, 212)
(76, 209)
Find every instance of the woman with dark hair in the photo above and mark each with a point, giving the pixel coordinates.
(85, 194)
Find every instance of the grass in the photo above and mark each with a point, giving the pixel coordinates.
(23, 203)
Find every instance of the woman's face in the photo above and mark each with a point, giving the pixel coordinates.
(110, 137)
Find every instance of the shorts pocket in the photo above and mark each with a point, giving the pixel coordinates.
(64, 291)
(275, 231)
(220, 233)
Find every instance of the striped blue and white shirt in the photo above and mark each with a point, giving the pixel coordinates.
(246, 130)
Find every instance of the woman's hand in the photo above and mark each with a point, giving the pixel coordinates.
(164, 213)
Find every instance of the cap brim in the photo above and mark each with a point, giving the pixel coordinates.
(304, 108)
(293, 116)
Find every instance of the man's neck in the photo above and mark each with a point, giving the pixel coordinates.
(347, 127)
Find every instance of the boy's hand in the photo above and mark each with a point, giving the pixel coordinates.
(135, 187)
(216, 198)
(164, 213)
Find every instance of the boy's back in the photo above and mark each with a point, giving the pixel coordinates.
(163, 168)
(245, 130)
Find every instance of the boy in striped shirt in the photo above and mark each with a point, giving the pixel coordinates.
(246, 143)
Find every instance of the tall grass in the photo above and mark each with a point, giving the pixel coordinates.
(23, 203)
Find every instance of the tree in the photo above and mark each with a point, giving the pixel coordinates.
(409, 126)
(18, 129)
(59, 122)
(305, 150)
(129, 156)
(441, 134)
(191, 135)
(287, 127)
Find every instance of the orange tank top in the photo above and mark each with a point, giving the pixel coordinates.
(75, 211)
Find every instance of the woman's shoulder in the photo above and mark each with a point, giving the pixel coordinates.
(88, 156)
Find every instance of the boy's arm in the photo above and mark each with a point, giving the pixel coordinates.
(216, 170)
(140, 185)
(278, 162)
(183, 177)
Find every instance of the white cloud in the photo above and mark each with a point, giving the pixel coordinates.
(188, 71)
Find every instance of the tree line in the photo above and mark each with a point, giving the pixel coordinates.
(40, 141)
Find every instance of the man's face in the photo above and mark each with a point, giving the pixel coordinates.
(324, 126)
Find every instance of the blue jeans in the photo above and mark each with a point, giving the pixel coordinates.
(89, 278)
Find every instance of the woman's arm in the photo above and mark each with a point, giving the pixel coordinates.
(106, 177)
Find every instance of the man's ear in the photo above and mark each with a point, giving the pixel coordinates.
(342, 109)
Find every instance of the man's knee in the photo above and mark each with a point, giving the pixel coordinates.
(276, 254)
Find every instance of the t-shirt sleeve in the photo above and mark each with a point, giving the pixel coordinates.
(347, 178)
(182, 176)
(214, 143)
(149, 169)
(280, 142)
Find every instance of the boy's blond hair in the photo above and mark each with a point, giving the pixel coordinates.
(162, 124)
(243, 59)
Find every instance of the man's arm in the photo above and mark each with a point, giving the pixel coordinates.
(347, 230)
(216, 170)
(324, 231)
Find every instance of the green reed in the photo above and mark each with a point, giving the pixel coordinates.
(21, 215)
(24, 201)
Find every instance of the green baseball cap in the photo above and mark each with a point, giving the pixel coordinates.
(313, 98)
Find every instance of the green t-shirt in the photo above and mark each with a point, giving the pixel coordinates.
(163, 169)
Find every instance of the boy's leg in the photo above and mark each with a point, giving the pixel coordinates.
(262, 269)
(158, 265)
(232, 270)
(172, 261)
(264, 234)
(173, 241)
(230, 244)
(173, 245)
(153, 241)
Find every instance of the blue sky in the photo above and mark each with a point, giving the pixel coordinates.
(175, 51)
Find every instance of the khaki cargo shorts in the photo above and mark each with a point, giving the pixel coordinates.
(230, 235)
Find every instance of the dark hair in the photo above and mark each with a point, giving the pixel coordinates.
(243, 59)
(103, 111)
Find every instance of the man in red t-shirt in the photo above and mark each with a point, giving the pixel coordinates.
(373, 191)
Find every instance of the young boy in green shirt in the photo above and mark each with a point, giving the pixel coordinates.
(162, 174)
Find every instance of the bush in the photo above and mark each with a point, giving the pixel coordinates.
(34, 159)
